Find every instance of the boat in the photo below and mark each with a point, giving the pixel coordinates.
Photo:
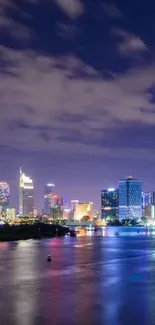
(72, 233)
(49, 258)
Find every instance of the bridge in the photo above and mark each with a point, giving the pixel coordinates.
(80, 224)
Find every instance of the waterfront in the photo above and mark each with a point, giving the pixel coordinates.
(92, 279)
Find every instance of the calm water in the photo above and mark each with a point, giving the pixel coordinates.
(92, 280)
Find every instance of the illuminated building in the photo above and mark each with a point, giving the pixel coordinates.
(56, 211)
(97, 215)
(84, 210)
(130, 198)
(149, 211)
(67, 214)
(147, 198)
(11, 214)
(109, 203)
(26, 195)
(48, 198)
(4, 196)
(35, 213)
(74, 204)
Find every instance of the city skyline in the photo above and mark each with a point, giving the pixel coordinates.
(41, 199)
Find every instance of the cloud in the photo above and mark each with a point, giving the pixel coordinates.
(111, 10)
(8, 25)
(43, 108)
(53, 101)
(129, 43)
(73, 8)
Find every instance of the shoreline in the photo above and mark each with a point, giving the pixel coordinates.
(36, 231)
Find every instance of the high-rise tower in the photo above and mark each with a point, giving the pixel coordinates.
(130, 198)
(48, 197)
(4, 196)
(26, 195)
(109, 203)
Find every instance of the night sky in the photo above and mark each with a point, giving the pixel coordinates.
(77, 94)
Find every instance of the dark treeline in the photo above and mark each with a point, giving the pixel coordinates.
(127, 222)
(35, 231)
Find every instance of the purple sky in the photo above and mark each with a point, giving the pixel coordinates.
(77, 95)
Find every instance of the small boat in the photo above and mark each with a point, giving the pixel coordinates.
(138, 231)
(49, 258)
(116, 233)
(73, 233)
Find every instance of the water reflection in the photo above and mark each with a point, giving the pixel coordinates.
(92, 280)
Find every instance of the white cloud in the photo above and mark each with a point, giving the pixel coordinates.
(132, 44)
(73, 8)
(129, 43)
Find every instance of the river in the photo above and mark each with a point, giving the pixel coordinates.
(92, 279)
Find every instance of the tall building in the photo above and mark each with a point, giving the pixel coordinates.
(4, 196)
(48, 197)
(26, 195)
(11, 214)
(66, 214)
(149, 211)
(84, 210)
(109, 203)
(147, 199)
(56, 211)
(130, 198)
(74, 204)
(148, 204)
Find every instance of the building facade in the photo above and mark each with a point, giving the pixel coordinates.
(11, 214)
(4, 196)
(84, 210)
(147, 198)
(26, 195)
(148, 204)
(48, 192)
(110, 204)
(130, 198)
(56, 211)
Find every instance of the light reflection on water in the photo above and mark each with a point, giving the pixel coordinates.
(115, 231)
(92, 280)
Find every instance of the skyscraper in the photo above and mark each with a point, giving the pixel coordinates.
(147, 198)
(109, 203)
(56, 210)
(148, 204)
(26, 195)
(130, 198)
(48, 197)
(4, 196)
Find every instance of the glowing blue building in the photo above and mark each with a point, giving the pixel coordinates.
(130, 198)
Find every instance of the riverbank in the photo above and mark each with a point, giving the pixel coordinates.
(35, 231)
